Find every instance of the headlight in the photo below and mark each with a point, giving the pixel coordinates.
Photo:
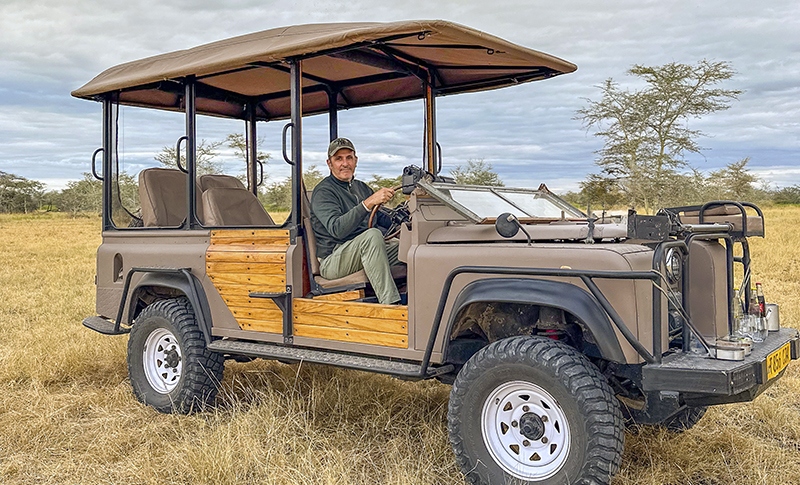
(674, 265)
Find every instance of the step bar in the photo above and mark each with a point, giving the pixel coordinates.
(349, 361)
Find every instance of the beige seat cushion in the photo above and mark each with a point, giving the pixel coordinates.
(398, 271)
(725, 214)
(212, 181)
(162, 195)
(226, 206)
(755, 224)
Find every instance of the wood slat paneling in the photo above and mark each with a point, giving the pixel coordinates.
(246, 257)
(257, 314)
(244, 290)
(357, 336)
(247, 279)
(239, 261)
(399, 327)
(232, 233)
(356, 309)
(216, 246)
(261, 325)
(245, 302)
(246, 268)
(250, 241)
(343, 296)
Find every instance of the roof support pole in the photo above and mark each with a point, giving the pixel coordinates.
(191, 151)
(333, 114)
(430, 129)
(252, 149)
(296, 98)
(109, 150)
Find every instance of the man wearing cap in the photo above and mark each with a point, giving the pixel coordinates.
(340, 207)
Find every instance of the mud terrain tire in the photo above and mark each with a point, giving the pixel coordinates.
(533, 410)
(168, 363)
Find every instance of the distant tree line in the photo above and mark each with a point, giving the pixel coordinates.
(21, 195)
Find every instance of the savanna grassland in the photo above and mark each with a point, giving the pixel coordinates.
(67, 414)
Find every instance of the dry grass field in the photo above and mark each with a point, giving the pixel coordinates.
(67, 413)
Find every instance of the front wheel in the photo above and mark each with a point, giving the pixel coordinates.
(168, 363)
(536, 411)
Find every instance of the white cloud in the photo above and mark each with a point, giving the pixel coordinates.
(528, 132)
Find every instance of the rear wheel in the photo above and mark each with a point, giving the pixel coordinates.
(533, 410)
(168, 363)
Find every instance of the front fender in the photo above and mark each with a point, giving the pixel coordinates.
(556, 294)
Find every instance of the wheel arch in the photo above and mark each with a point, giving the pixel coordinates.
(543, 293)
(183, 283)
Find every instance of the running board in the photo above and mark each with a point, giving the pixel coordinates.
(349, 361)
(104, 326)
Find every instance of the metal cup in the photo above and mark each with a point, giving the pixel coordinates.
(773, 317)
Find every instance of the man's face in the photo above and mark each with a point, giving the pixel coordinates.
(343, 164)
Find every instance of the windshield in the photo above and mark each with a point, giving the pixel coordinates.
(479, 203)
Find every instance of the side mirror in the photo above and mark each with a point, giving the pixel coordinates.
(506, 225)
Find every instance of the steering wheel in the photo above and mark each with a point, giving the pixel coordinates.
(398, 215)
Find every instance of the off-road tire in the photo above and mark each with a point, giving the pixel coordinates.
(201, 369)
(579, 390)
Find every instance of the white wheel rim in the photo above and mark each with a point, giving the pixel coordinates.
(159, 359)
(518, 455)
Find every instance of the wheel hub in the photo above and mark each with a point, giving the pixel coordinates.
(525, 430)
(172, 358)
(162, 361)
(531, 426)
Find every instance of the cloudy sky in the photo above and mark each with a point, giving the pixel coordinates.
(49, 48)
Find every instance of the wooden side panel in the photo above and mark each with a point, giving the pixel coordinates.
(345, 321)
(360, 336)
(239, 261)
(343, 296)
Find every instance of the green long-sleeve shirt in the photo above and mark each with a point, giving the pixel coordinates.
(337, 212)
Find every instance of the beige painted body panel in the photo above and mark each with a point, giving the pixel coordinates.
(632, 300)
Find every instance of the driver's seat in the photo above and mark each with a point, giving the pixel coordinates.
(320, 285)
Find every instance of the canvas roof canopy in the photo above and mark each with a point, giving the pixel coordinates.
(357, 64)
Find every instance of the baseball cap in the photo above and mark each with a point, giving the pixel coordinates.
(338, 144)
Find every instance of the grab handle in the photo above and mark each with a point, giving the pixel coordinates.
(261, 173)
(178, 153)
(283, 140)
(94, 162)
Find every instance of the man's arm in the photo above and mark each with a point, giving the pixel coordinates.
(327, 209)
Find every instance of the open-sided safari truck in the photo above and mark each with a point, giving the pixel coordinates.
(554, 328)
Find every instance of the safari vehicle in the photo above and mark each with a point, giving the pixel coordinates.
(553, 326)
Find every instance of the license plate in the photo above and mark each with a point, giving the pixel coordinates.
(778, 360)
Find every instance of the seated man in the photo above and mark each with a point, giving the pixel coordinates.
(340, 208)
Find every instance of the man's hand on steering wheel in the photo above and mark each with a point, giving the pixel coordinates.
(380, 196)
(384, 195)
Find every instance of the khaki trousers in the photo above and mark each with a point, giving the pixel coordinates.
(369, 252)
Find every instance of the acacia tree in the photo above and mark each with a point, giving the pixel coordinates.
(646, 131)
(476, 172)
(18, 194)
(238, 143)
(205, 157)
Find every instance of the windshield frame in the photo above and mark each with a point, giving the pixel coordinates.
(439, 191)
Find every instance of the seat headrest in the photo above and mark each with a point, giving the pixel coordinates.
(211, 181)
(228, 206)
(162, 195)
